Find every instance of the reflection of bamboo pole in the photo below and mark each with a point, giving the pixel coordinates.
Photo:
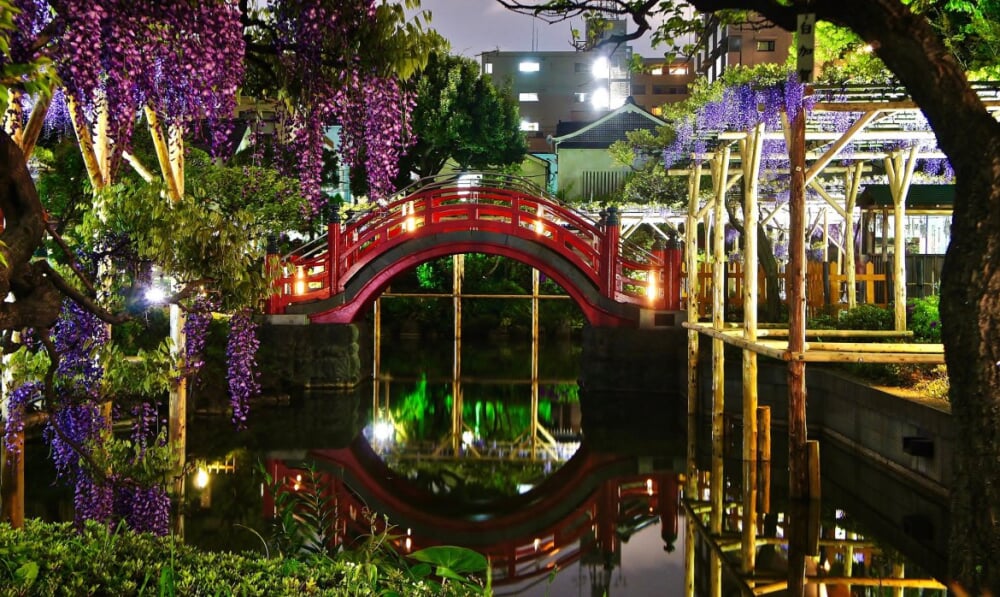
(691, 480)
(764, 458)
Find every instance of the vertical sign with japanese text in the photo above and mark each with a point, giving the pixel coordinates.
(806, 29)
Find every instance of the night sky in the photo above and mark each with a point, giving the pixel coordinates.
(476, 26)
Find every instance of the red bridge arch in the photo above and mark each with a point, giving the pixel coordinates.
(332, 279)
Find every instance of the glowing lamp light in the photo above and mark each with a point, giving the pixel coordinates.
(300, 280)
(298, 483)
(649, 487)
(651, 286)
(600, 99)
(600, 68)
(155, 295)
(201, 478)
(539, 224)
(538, 543)
(467, 437)
(384, 431)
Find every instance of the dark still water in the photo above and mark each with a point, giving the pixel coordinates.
(543, 476)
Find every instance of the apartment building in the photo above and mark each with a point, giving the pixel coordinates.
(747, 44)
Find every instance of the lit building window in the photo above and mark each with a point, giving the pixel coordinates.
(529, 126)
(678, 69)
(488, 68)
(656, 72)
(527, 97)
(529, 66)
(580, 97)
(765, 45)
(657, 111)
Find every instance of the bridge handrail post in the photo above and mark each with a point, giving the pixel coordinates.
(609, 253)
(333, 248)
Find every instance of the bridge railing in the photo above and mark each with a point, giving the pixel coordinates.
(481, 201)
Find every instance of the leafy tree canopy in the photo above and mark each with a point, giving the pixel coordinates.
(460, 115)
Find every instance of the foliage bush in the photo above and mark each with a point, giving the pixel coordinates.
(866, 317)
(53, 559)
(925, 319)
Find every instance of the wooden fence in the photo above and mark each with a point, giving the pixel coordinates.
(826, 287)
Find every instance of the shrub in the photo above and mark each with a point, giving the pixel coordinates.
(925, 319)
(53, 559)
(866, 317)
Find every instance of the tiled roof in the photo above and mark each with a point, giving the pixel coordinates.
(603, 132)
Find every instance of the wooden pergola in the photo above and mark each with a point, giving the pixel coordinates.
(881, 117)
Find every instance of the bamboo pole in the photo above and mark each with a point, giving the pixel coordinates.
(86, 143)
(750, 150)
(162, 154)
(177, 433)
(720, 169)
(33, 128)
(899, 169)
(691, 479)
(175, 149)
(853, 184)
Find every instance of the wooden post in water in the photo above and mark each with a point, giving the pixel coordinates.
(534, 363)
(750, 150)
(458, 273)
(691, 477)
(798, 460)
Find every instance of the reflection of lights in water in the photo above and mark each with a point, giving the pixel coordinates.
(201, 478)
(383, 431)
(409, 540)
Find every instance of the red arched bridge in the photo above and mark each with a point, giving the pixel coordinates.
(334, 277)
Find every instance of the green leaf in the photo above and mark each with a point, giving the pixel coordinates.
(458, 560)
(26, 574)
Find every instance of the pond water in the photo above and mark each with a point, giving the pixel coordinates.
(542, 476)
